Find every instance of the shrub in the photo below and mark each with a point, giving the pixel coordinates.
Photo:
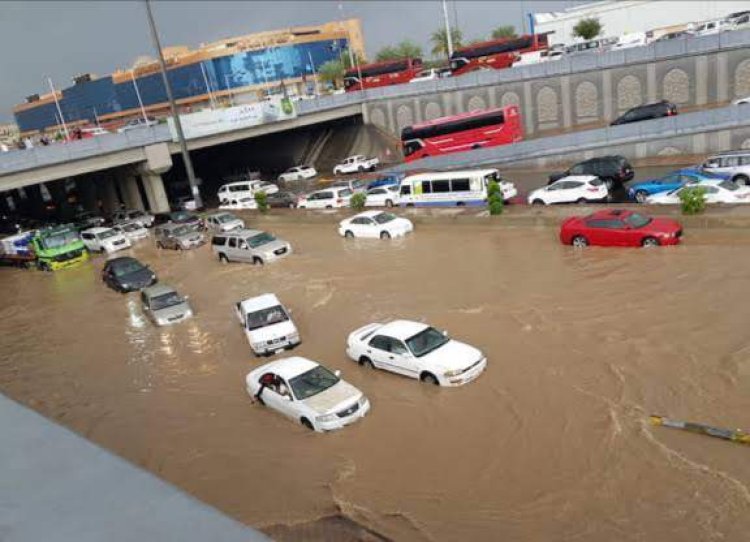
(693, 200)
(493, 188)
(494, 198)
(262, 200)
(358, 201)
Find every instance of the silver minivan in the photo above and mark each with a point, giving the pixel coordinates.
(252, 246)
(734, 164)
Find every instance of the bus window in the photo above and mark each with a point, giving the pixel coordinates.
(441, 186)
(460, 185)
(405, 190)
(426, 187)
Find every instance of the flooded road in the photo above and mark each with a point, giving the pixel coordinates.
(550, 443)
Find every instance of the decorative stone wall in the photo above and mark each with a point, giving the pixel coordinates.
(586, 102)
(629, 92)
(676, 87)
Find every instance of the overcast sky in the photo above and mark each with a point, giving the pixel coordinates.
(59, 39)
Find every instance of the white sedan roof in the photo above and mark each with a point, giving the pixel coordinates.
(366, 214)
(578, 178)
(288, 368)
(260, 302)
(401, 329)
(96, 230)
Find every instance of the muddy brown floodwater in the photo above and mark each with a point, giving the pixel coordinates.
(551, 443)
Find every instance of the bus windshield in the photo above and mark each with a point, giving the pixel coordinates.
(60, 240)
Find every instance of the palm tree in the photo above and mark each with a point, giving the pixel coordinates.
(405, 49)
(439, 39)
(331, 72)
(506, 31)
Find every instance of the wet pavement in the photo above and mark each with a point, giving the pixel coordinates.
(550, 443)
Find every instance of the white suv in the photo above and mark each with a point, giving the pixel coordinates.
(734, 164)
(326, 199)
(267, 323)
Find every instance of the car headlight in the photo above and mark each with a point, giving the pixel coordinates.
(453, 373)
(258, 346)
(326, 418)
(125, 285)
(162, 321)
(188, 313)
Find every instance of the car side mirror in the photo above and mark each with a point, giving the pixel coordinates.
(337, 373)
(445, 333)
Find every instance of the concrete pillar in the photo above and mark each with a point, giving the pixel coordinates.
(87, 192)
(652, 90)
(607, 96)
(60, 198)
(130, 192)
(107, 193)
(701, 80)
(722, 77)
(528, 108)
(155, 193)
(565, 101)
(417, 105)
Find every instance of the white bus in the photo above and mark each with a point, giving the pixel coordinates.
(448, 188)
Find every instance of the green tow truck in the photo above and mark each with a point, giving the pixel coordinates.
(58, 247)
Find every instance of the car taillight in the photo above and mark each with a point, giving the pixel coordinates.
(592, 189)
(670, 112)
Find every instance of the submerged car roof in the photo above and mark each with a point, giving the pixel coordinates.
(260, 302)
(121, 260)
(289, 367)
(402, 329)
(158, 289)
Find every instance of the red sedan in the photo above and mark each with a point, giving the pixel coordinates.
(615, 227)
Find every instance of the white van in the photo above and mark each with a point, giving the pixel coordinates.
(238, 190)
(734, 164)
(447, 188)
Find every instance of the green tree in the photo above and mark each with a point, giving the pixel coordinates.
(494, 198)
(505, 31)
(439, 39)
(333, 70)
(262, 200)
(357, 201)
(587, 29)
(405, 49)
(693, 200)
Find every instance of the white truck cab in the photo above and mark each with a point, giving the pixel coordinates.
(356, 163)
(267, 323)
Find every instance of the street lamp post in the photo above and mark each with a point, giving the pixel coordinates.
(448, 30)
(175, 115)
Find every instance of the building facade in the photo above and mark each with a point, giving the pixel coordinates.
(234, 70)
(620, 17)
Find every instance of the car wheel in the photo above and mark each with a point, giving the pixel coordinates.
(385, 235)
(429, 378)
(223, 258)
(361, 169)
(537, 202)
(307, 424)
(257, 260)
(641, 196)
(742, 180)
(579, 241)
(329, 206)
(388, 203)
(650, 242)
(348, 234)
(366, 362)
(460, 204)
(581, 201)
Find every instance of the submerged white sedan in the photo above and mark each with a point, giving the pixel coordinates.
(718, 191)
(375, 224)
(307, 393)
(416, 350)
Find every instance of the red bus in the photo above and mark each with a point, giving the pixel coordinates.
(496, 54)
(458, 133)
(390, 72)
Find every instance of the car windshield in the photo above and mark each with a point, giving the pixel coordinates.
(266, 317)
(107, 234)
(382, 218)
(260, 239)
(426, 341)
(223, 219)
(180, 217)
(127, 267)
(312, 382)
(163, 301)
(182, 230)
(130, 227)
(729, 185)
(60, 240)
(637, 220)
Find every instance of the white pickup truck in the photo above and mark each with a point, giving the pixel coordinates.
(356, 164)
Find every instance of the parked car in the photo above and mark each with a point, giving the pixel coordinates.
(709, 28)
(375, 224)
(187, 218)
(646, 112)
(164, 306)
(325, 199)
(178, 236)
(236, 204)
(268, 324)
(642, 190)
(244, 189)
(742, 101)
(616, 227)
(186, 203)
(355, 185)
(386, 179)
(86, 219)
(572, 189)
(383, 196)
(131, 230)
(136, 124)
(126, 274)
(252, 246)
(734, 164)
(223, 221)
(356, 164)
(298, 173)
(429, 74)
(669, 36)
(416, 350)
(307, 393)
(614, 170)
(126, 215)
(718, 191)
(282, 199)
(104, 240)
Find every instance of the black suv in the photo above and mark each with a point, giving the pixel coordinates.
(646, 112)
(613, 170)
